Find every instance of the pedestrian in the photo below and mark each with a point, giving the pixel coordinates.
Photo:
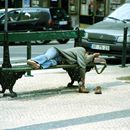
(54, 56)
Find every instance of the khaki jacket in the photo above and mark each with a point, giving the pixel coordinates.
(77, 55)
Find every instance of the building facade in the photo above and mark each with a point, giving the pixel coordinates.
(83, 11)
(94, 11)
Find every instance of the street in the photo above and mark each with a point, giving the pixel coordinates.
(19, 53)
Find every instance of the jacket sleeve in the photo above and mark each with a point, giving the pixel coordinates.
(81, 59)
(89, 58)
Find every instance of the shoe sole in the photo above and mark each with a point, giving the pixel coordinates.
(33, 64)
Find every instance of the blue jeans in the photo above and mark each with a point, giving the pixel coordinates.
(50, 58)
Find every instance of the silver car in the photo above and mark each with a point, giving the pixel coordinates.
(107, 36)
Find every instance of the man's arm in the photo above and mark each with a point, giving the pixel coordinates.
(82, 72)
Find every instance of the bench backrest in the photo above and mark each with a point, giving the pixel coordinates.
(34, 36)
(42, 35)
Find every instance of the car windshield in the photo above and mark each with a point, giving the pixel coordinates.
(122, 13)
(1, 12)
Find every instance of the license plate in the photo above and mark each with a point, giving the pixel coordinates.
(100, 47)
(63, 22)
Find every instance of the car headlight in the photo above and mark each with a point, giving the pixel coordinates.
(85, 36)
(121, 38)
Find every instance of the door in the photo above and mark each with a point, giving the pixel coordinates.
(64, 5)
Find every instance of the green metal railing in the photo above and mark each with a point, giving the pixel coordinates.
(41, 35)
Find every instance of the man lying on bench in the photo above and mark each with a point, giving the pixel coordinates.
(54, 56)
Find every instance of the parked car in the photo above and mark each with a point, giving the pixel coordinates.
(106, 36)
(36, 19)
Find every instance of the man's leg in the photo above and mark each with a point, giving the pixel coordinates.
(82, 88)
(33, 64)
(51, 53)
(40, 60)
(37, 61)
(49, 63)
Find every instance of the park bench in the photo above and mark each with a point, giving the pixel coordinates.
(9, 73)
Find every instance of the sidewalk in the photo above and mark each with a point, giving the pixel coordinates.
(43, 102)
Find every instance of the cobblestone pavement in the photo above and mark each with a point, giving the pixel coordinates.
(44, 102)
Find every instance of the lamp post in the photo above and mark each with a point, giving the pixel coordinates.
(6, 56)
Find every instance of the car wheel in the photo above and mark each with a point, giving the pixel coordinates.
(63, 41)
(46, 41)
(41, 42)
(11, 43)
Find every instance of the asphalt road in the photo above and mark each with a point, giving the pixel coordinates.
(19, 53)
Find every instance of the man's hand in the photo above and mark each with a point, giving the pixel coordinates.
(96, 55)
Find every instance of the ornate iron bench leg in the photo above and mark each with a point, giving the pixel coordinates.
(7, 81)
(74, 76)
(3, 89)
(70, 84)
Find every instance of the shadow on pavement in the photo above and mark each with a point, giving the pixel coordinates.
(116, 61)
(44, 93)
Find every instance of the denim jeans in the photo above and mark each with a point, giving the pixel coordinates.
(50, 58)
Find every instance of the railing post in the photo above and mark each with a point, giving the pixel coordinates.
(124, 48)
(29, 49)
(6, 55)
(77, 40)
